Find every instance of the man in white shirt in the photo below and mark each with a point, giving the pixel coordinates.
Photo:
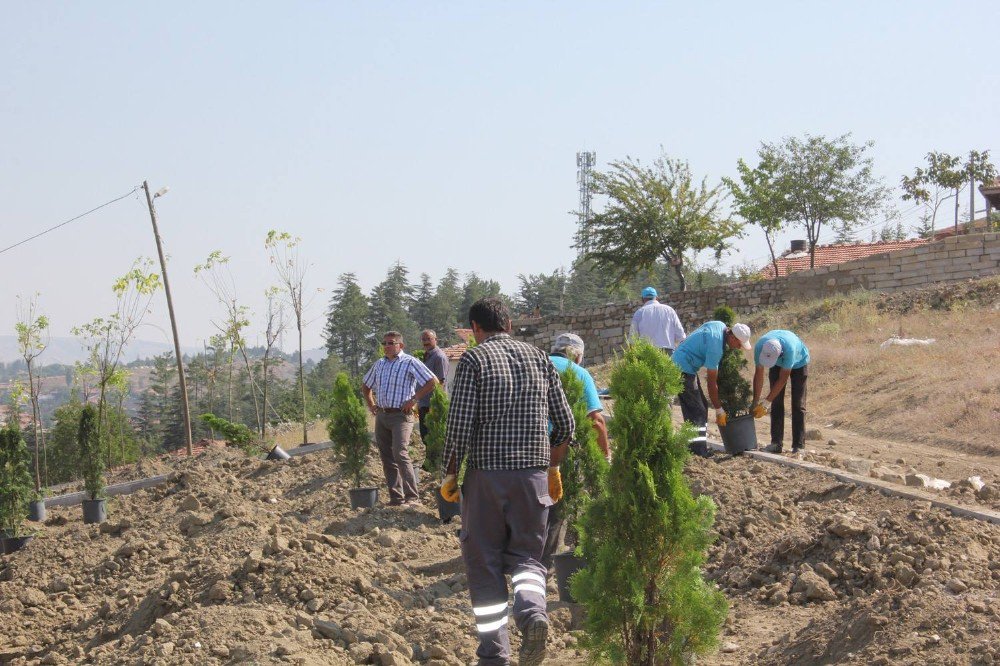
(658, 322)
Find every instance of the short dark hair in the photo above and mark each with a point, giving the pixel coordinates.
(491, 314)
(395, 335)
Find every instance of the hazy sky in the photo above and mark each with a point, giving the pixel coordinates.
(437, 134)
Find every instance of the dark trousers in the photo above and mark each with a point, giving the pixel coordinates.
(694, 407)
(554, 534)
(392, 437)
(504, 514)
(421, 415)
(798, 382)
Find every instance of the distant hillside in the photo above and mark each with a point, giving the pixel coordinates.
(69, 350)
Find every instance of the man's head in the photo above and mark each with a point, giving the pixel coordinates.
(569, 345)
(489, 316)
(769, 353)
(648, 294)
(738, 336)
(429, 339)
(392, 344)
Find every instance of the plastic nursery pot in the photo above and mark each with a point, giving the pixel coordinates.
(13, 544)
(363, 498)
(739, 435)
(447, 510)
(94, 511)
(278, 453)
(36, 511)
(566, 565)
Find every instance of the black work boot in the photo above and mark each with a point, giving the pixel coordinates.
(773, 448)
(533, 642)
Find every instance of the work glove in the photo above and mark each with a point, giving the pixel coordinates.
(449, 488)
(555, 484)
(762, 408)
(720, 418)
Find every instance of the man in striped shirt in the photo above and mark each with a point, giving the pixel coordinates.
(390, 389)
(503, 396)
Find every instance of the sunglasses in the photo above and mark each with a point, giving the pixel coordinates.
(389, 344)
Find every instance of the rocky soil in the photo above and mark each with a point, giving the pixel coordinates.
(241, 561)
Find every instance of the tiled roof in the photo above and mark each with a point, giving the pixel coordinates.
(828, 255)
(455, 351)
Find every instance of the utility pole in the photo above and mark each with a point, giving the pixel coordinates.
(972, 193)
(173, 320)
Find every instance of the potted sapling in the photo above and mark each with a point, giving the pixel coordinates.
(739, 434)
(584, 471)
(15, 488)
(437, 421)
(92, 463)
(348, 429)
(239, 435)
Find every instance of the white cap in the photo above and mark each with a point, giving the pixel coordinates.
(769, 353)
(742, 333)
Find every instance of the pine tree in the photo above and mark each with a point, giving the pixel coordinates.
(646, 538)
(584, 470)
(446, 306)
(348, 335)
(421, 306)
(735, 392)
(348, 429)
(436, 420)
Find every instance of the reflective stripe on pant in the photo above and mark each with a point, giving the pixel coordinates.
(504, 514)
(694, 407)
(392, 437)
(798, 381)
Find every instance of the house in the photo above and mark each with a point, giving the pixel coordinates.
(454, 353)
(796, 258)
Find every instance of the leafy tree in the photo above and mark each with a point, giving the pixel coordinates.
(348, 335)
(15, 480)
(646, 538)
(65, 463)
(542, 294)
(735, 392)
(475, 288)
(32, 338)
(88, 442)
(758, 199)
(348, 430)
(658, 212)
(823, 181)
(944, 173)
(283, 249)
(436, 420)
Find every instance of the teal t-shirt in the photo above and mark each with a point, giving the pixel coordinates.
(701, 349)
(589, 388)
(794, 353)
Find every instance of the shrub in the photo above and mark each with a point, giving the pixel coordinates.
(16, 486)
(645, 539)
(235, 434)
(436, 422)
(91, 461)
(735, 392)
(725, 314)
(348, 429)
(584, 469)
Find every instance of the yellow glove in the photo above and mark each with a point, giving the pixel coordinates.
(555, 484)
(720, 418)
(449, 488)
(761, 409)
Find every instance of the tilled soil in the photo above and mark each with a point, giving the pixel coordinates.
(242, 561)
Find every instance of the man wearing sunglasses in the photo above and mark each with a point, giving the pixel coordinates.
(391, 389)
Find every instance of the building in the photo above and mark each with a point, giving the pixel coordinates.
(796, 258)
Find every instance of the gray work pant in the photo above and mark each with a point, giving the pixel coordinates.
(555, 534)
(504, 514)
(694, 407)
(392, 437)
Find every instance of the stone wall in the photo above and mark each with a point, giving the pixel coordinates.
(953, 259)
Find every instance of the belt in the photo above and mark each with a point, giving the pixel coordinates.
(390, 410)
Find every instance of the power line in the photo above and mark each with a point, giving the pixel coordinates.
(73, 219)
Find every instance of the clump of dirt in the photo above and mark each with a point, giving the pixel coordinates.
(238, 560)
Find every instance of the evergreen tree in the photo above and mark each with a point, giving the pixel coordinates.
(646, 538)
(735, 392)
(388, 307)
(348, 333)
(446, 308)
(348, 428)
(421, 306)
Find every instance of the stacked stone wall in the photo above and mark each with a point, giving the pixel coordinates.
(953, 259)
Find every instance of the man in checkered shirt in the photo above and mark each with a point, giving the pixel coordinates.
(394, 381)
(504, 395)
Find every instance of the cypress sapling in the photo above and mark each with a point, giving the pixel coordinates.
(348, 429)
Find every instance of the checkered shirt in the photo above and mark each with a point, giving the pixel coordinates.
(504, 395)
(395, 381)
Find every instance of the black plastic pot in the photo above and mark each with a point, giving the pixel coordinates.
(36, 511)
(566, 565)
(363, 498)
(278, 453)
(94, 511)
(447, 510)
(739, 435)
(10, 545)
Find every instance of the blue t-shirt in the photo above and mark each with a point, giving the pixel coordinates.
(701, 349)
(794, 353)
(589, 388)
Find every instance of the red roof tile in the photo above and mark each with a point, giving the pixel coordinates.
(828, 255)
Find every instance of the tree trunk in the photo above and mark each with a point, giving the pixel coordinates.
(302, 381)
(263, 420)
(253, 387)
(956, 211)
(770, 248)
(34, 424)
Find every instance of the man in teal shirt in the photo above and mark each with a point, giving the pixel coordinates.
(703, 349)
(784, 355)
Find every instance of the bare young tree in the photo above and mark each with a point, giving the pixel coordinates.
(275, 325)
(32, 339)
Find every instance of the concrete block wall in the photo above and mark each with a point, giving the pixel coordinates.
(952, 259)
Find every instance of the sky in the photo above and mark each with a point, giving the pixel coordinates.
(435, 134)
